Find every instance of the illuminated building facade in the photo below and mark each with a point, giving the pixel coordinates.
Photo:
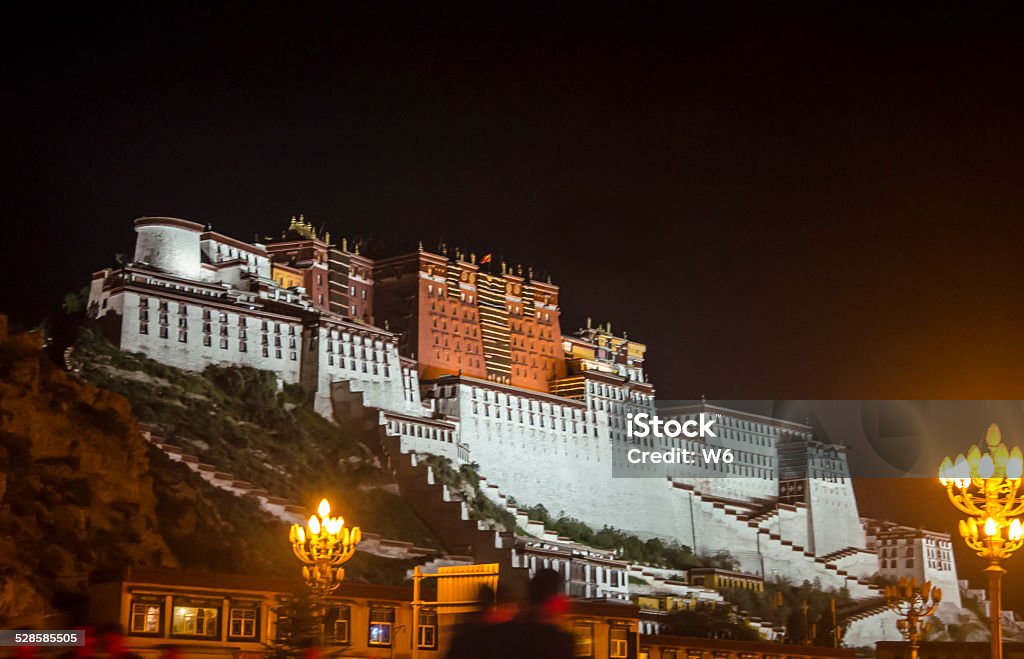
(466, 358)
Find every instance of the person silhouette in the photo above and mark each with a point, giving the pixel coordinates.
(535, 632)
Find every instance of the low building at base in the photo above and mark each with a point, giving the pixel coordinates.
(217, 615)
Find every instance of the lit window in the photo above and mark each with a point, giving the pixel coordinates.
(194, 621)
(381, 620)
(583, 640)
(145, 619)
(618, 643)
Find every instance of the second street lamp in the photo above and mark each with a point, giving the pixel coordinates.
(913, 603)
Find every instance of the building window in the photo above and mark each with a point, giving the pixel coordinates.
(224, 344)
(146, 618)
(144, 328)
(243, 623)
(163, 331)
(583, 640)
(339, 621)
(243, 346)
(194, 621)
(618, 643)
(207, 340)
(426, 630)
(182, 336)
(381, 620)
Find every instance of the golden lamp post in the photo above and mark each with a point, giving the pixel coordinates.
(323, 546)
(987, 488)
(913, 603)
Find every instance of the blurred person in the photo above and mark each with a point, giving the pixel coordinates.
(470, 638)
(535, 632)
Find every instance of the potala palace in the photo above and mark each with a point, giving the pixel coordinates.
(463, 357)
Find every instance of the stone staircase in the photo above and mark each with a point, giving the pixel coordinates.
(740, 523)
(440, 508)
(282, 509)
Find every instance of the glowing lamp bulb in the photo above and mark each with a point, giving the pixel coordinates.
(1015, 530)
(314, 525)
(945, 471)
(1015, 464)
(324, 509)
(961, 470)
(986, 467)
(991, 528)
(300, 533)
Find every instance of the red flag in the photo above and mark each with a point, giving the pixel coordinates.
(485, 259)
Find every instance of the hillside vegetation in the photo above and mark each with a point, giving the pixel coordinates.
(83, 495)
(238, 419)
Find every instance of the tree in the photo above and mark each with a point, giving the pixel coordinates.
(298, 627)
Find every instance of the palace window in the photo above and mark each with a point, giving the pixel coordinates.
(426, 630)
(243, 622)
(182, 336)
(143, 328)
(223, 344)
(207, 340)
(163, 331)
(381, 621)
(146, 618)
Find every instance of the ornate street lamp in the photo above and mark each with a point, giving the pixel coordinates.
(913, 603)
(323, 546)
(987, 487)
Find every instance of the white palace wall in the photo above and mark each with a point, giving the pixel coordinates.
(542, 460)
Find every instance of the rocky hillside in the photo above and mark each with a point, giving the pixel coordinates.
(76, 488)
(82, 492)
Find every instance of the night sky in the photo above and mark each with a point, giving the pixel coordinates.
(807, 202)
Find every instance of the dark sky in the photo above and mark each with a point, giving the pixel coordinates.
(816, 201)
